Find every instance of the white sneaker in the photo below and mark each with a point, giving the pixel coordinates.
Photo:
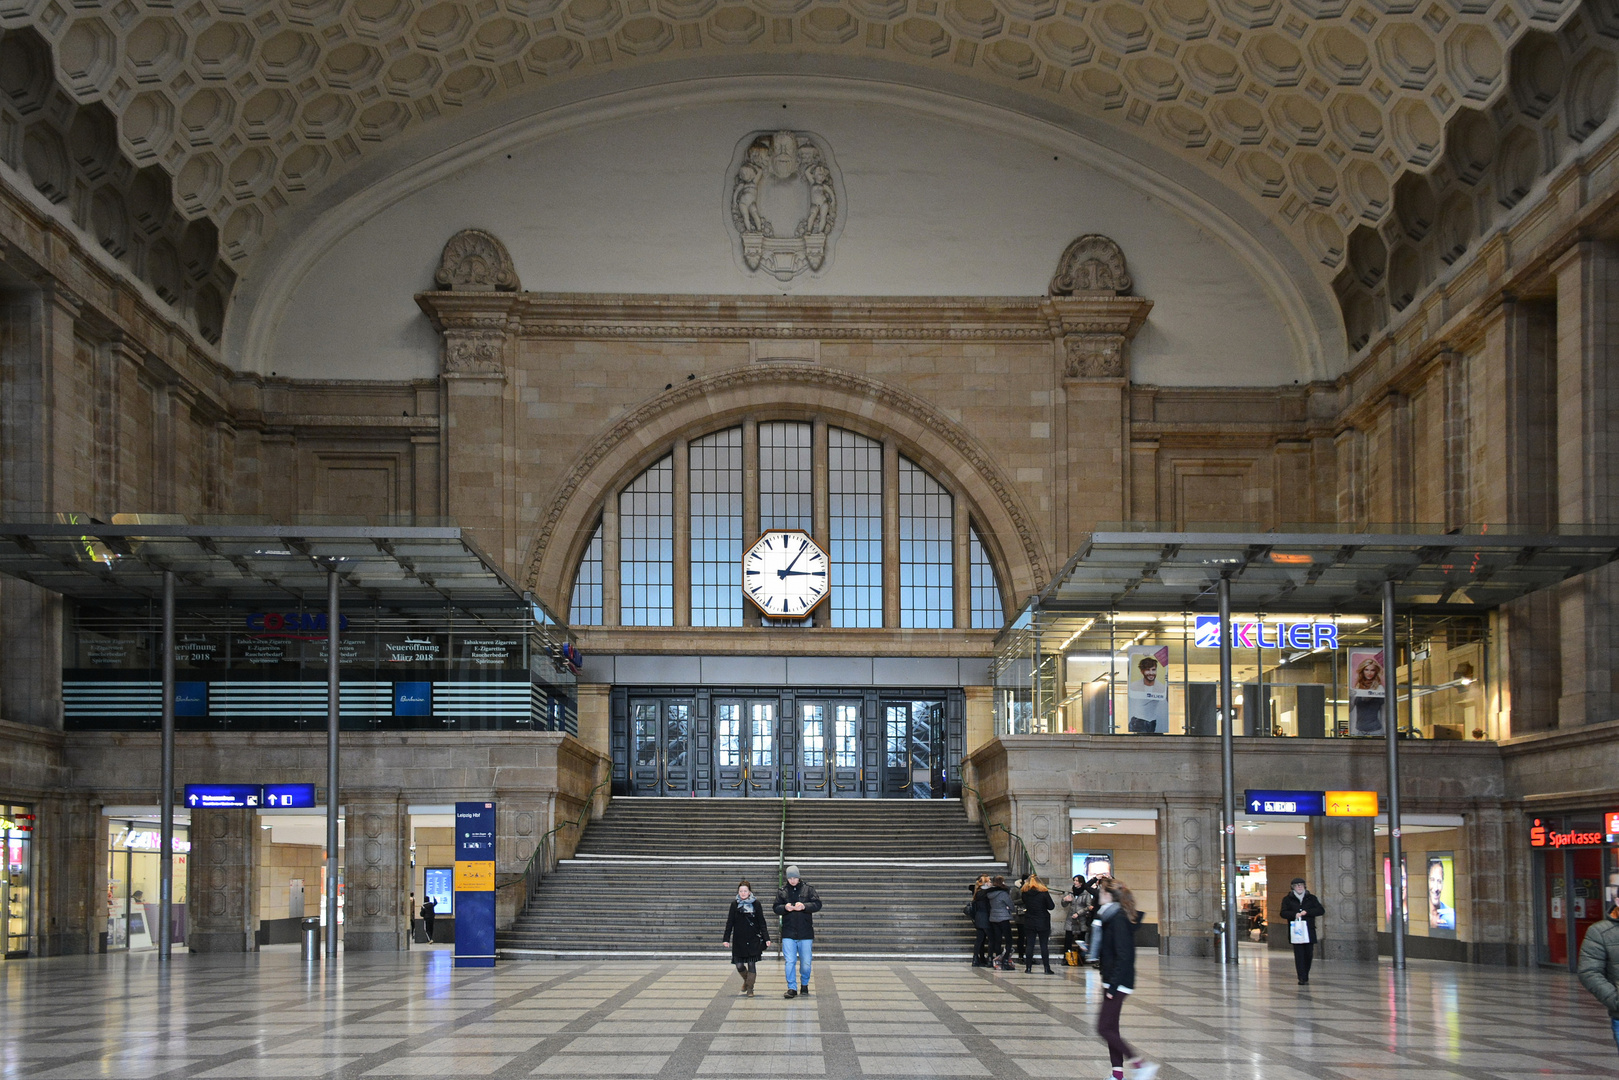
(1147, 1071)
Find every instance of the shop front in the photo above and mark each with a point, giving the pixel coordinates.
(1575, 878)
(17, 877)
(134, 847)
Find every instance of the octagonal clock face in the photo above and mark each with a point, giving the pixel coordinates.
(785, 574)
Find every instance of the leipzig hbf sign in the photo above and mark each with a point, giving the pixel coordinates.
(1259, 635)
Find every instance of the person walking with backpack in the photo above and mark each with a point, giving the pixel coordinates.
(1115, 935)
(1037, 908)
(796, 903)
(748, 934)
(998, 907)
(1599, 963)
(1300, 910)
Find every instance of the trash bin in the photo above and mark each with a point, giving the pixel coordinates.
(310, 937)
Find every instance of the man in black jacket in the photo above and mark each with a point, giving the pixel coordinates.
(1301, 905)
(796, 903)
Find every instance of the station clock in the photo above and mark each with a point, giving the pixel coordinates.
(785, 573)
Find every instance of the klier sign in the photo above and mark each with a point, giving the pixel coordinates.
(1261, 635)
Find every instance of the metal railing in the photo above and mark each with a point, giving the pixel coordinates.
(781, 853)
(1018, 863)
(539, 862)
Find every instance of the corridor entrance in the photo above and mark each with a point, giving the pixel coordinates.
(808, 743)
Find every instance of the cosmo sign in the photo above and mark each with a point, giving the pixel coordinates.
(1252, 635)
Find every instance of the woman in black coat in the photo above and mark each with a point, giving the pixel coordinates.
(1115, 935)
(748, 934)
(1037, 907)
(980, 910)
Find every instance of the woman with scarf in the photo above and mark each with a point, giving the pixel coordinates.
(747, 933)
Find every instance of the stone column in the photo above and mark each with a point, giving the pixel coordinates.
(1498, 871)
(594, 716)
(1189, 878)
(376, 872)
(70, 861)
(1344, 874)
(221, 895)
(891, 610)
(612, 608)
(961, 549)
(1587, 479)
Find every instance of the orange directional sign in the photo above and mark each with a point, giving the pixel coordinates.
(1351, 804)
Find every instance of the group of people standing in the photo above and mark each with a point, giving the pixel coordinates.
(1102, 920)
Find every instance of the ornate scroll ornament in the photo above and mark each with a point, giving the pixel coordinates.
(473, 350)
(1095, 356)
(1091, 264)
(783, 203)
(474, 261)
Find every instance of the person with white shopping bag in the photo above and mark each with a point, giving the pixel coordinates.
(1300, 909)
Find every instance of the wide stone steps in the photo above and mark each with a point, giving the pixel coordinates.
(655, 877)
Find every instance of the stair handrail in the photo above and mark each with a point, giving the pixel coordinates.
(540, 860)
(1017, 861)
(781, 851)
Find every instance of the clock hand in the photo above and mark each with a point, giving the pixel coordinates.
(789, 568)
(801, 573)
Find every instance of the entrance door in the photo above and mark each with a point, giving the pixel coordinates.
(913, 749)
(814, 776)
(844, 749)
(730, 770)
(763, 754)
(660, 746)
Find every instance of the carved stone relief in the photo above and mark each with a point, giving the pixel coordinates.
(1094, 356)
(474, 261)
(473, 350)
(783, 203)
(1091, 264)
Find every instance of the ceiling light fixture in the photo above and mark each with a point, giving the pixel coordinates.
(1107, 824)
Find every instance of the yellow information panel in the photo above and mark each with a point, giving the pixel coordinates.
(474, 876)
(1350, 804)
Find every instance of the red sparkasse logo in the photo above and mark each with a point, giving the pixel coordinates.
(1540, 836)
(1612, 826)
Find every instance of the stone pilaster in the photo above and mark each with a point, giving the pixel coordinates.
(223, 885)
(376, 872)
(1189, 878)
(1500, 888)
(70, 862)
(1587, 478)
(1343, 873)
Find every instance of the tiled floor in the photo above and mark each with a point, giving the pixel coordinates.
(415, 1016)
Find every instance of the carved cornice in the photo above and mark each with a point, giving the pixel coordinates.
(807, 375)
(612, 316)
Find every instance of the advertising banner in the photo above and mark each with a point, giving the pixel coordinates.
(474, 884)
(1366, 692)
(1149, 689)
(1441, 890)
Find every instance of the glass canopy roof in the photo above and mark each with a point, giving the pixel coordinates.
(1326, 573)
(389, 566)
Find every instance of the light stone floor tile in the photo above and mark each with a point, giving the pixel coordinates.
(416, 1016)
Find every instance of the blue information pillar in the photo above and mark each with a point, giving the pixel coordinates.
(474, 884)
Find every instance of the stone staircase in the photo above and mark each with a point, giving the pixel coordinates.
(654, 877)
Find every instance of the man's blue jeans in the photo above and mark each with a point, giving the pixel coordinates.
(792, 951)
(1615, 1022)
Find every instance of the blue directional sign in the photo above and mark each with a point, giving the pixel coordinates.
(1262, 801)
(294, 796)
(223, 796)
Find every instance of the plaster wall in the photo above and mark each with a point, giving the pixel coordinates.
(934, 207)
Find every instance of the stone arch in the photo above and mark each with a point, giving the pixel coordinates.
(786, 391)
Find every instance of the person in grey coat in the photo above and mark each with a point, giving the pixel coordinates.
(998, 899)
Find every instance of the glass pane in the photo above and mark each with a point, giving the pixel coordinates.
(728, 735)
(848, 737)
(677, 732)
(762, 734)
(585, 608)
(986, 587)
(645, 734)
(898, 736)
(814, 736)
(716, 529)
(646, 548)
(855, 493)
(926, 550)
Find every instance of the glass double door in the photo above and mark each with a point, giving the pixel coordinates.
(914, 761)
(661, 753)
(774, 747)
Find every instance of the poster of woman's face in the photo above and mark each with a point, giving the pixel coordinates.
(1365, 671)
(1441, 891)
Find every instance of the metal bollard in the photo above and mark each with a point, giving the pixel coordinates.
(310, 937)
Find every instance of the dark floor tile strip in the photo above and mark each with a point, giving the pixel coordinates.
(694, 1045)
(837, 1044)
(996, 1061)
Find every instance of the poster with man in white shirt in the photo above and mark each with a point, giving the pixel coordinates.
(1149, 689)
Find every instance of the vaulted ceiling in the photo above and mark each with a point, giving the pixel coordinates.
(1379, 136)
